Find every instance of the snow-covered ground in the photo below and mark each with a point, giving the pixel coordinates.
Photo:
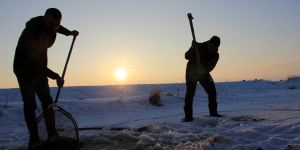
(259, 114)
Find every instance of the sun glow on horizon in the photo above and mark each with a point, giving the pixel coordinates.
(121, 74)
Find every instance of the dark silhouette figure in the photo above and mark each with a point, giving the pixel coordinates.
(198, 70)
(30, 68)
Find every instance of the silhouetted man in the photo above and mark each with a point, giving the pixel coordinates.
(198, 70)
(30, 68)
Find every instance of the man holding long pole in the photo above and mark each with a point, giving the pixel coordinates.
(202, 58)
(30, 68)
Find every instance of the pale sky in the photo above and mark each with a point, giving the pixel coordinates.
(259, 39)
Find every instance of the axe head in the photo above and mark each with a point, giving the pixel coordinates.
(190, 16)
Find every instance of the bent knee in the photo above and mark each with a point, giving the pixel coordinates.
(30, 106)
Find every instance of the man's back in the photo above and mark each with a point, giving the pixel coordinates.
(31, 49)
(207, 60)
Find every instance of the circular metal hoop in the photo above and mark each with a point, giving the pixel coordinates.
(58, 121)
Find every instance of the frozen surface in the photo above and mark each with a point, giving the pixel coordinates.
(263, 114)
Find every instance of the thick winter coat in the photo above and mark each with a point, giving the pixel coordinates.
(208, 61)
(31, 51)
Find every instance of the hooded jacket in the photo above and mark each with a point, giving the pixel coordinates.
(208, 61)
(31, 51)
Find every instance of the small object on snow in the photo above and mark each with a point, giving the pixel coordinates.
(5, 105)
(292, 87)
(291, 147)
(169, 94)
(154, 98)
(157, 146)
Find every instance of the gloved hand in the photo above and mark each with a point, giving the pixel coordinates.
(74, 33)
(60, 82)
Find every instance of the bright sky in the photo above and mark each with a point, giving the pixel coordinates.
(148, 38)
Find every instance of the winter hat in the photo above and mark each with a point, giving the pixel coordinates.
(215, 40)
(54, 12)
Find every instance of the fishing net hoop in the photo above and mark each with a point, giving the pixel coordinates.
(65, 126)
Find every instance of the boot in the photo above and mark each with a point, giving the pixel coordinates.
(50, 123)
(34, 138)
(34, 142)
(188, 115)
(213, 110)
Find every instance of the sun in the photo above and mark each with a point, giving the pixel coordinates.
(121, 74)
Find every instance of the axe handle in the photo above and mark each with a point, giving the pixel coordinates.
(192, 29)
(194, 37)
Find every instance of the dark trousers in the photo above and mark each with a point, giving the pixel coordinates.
(39, 86)
(208, 84)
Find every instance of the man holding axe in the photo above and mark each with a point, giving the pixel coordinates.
(202, 58)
